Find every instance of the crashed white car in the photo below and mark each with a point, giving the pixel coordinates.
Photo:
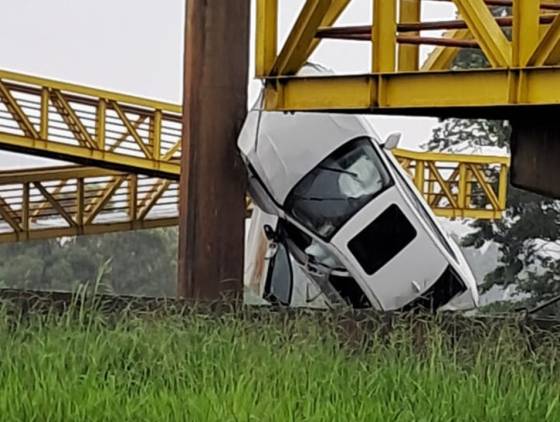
(338, 222)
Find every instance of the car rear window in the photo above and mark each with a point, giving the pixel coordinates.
(382, 240)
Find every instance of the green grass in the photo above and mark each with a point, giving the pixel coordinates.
(197, 368)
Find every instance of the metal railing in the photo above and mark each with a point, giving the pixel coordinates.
(132, 140)
(89, 126)
(457, 185)
(68, 201)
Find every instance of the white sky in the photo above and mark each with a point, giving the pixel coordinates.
(136, 47)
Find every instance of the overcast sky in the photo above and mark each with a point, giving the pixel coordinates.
(136, 47)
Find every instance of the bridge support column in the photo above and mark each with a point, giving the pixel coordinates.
(535, 152)
(212, 207)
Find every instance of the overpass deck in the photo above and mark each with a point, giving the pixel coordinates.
(520, 46)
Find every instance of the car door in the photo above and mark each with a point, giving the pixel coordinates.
(315, 263)
(272, 275)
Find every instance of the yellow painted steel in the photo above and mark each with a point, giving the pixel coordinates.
(384, 36)
(457, 185)
(294, 53)
(266, 39)
(89, 91)
(523, 70)
(134, 139)
(442, 57)
(131, 136)
(419, 93)
(409, 57)
(547, 51)
(525, 30)
(486, 31)
(89, 126)
(300, 44)
(335, 10)
(74, 200)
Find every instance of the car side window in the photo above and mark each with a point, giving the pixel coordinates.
(382, 240)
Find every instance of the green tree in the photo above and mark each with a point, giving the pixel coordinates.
(142, 262)
(139, 263)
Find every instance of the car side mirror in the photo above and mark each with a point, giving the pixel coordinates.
(392, 141)
(270, 234)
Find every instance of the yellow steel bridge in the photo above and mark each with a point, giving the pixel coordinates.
(127, 149)
(522, 51)
(89, 126)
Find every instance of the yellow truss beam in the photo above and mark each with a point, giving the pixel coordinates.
(132, 131)
(74, 200)
(335, 10)
(17, 113)
(126, 135)
(547, 51)
(156, 193)
(384, 36)
(521, 71)
(419, 93)
(267, 36)
(409, 11)
(95, 207)
(72, 120)
(442, 57)
(8, 215)
(526, 29)
(55, 204)
(300, 40)
(89, 126)
(486, 31)
(86, 91)
(459, 185)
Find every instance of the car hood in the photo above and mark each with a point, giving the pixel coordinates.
(283, 147)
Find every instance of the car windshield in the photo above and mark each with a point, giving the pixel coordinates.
(338, 187)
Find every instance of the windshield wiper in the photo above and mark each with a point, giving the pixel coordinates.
(335, 170)
(323, 198)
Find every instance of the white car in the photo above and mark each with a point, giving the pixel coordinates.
(337, 221)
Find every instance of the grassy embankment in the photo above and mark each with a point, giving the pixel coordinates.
(90, 367)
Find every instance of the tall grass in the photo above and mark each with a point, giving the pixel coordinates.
(85, 366)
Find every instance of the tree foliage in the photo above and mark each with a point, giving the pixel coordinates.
(138, 263)
(457, 135)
